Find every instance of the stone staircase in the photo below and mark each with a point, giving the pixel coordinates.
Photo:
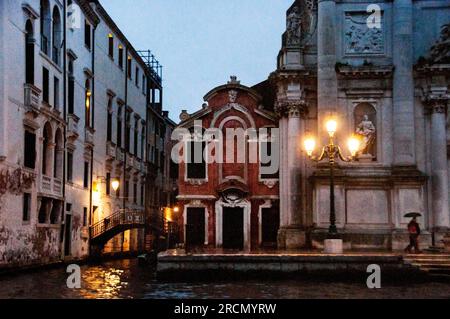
(432, 264)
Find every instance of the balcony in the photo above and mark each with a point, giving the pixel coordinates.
(119, 154)
(137, 165)
(130, 162)
(51, 186)
(31, 98)
(89, 136)
(72, 127)
(110, 151)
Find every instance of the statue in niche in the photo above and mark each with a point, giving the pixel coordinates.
(366, 129)
(293, 27)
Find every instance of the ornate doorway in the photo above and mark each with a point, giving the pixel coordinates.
(233, 228)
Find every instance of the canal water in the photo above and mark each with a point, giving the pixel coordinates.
(126, 279)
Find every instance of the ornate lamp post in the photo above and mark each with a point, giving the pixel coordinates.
(332, 152)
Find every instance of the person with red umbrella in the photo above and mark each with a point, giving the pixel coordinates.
(414, 233)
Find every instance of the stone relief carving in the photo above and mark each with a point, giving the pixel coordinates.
(270, 183)
(293, 27)
(232, 96)
(300, 22)
(359, 38)
(440, 52)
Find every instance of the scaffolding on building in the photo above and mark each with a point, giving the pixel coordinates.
(153, 64)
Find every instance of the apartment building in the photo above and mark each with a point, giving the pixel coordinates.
(75, 104)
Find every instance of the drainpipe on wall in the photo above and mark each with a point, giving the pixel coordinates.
(126, 141)
(92, 126)
(63, 215)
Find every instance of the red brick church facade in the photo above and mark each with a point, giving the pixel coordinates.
(230, 205)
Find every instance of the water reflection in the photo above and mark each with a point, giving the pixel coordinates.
(126, 279)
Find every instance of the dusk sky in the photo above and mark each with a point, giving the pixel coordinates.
(201, 43)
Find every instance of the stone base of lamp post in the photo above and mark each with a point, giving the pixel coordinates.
(333, 246)
(291, 238)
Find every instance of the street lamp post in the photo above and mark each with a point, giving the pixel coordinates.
(332, 152)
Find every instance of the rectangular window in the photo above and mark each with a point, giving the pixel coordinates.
(30, 150)
(56, 93)
(87, 34)
(111, 46)
(127, 131)
(119, 127)
(142, 195)
(71, 94)
(85, 214)
(196, 170)
(108, 184)
(121, 56)
(109, 127)
(26, 207)
(137, 77)
(86, 175)
(129, 67)
(45, 85)
(266, 149)
(135, 193)
(127, 190)
(69, 166)
(136, 137)
(143, 84)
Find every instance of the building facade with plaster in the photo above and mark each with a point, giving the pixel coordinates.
(381, 69)
(75, 103)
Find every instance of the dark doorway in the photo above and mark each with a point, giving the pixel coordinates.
(195, 227)
(68, 236)
(233, 228)
(270, 225)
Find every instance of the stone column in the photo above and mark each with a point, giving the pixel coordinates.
(294, 164)
(439, 179)
(291, 234)
(326, 62)
(403, 88)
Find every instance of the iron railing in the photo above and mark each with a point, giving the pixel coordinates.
(121, 218)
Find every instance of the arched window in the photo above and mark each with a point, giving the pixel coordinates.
(88, 94)
(56, 35)
(47, 149)
(58, 155)
(45, 26)
(29, 53)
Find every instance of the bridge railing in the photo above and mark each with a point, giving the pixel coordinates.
(121, 217)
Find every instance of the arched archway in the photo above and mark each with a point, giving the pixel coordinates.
(56, 35)
(47, 147)
(29, 52)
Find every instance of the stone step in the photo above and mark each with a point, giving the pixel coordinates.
(437, 271)
(428, 261)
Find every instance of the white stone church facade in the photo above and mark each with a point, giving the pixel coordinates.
(384, 67)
